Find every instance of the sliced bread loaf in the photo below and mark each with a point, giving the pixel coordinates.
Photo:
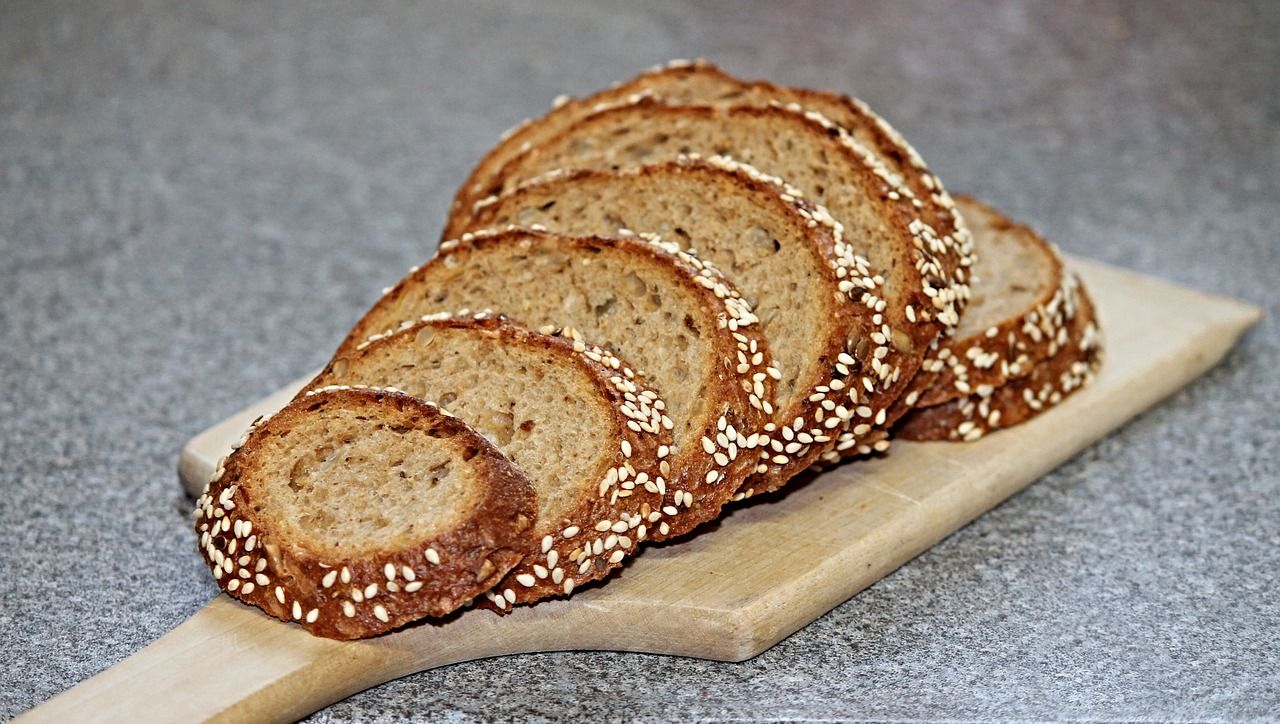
(1021, 312)
(920, 301)
(353, 512)
(1049, 382)
(702, 83)
(815, 298)
(577, 421)
(661, 309)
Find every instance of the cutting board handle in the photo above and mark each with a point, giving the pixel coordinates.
(230, 662)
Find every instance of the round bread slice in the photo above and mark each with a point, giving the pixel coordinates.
(702, 83)
(811, 153)
(574, 418)
(1049, 382)
(353, 512)
(664, 310)
(815, 298)
(1020, 314)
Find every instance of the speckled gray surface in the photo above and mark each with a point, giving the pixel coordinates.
(196, 200)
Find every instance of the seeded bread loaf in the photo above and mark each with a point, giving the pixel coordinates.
(818, 158)
(577, 421)
(701, 83)
(1021, 312)
(662, 309)
(1050, 381)
(815, 297)
(353, 512)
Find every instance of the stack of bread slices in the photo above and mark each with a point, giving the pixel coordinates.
(649, 303)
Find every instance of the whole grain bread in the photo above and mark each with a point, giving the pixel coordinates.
(666, 311)
(920, 300)
(815, 297)
(353, 512)
(1049, 382)
(702, 83)
(579, 422)
(1022, 307)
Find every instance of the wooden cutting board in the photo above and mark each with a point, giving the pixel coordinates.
(767, 569)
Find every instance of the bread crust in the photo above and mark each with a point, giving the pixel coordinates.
(664, 81)
(700, 82)
(926, 300)
(807, 428)
(1049, 382)
(348, 598)
(740, 393)
(628, 487)
(1010, 349)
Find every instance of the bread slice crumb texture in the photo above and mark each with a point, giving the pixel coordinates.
(355, 511)
(815, 298)
(670, 314)
(814, 155)
(579, 423)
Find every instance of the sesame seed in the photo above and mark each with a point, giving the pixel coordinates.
(414, 586)
(297, 610)
(381, 613)
(348, 609)
(432, 557)
(329, 578)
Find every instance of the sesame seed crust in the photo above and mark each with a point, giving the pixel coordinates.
(735, 413)
(827, 397)
(627, 485)
(1051, 381)
(1005, 349)
(358, 597)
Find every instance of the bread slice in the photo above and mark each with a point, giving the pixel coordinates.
(813, 155)
(1049, 382)
(815, 298)
(702, 83)
(661, 309)
(575, 419)
(354, 512)
(1021, 312)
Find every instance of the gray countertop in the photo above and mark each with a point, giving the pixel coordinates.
(197, 199)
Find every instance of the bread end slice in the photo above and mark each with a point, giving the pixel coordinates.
(355, 511)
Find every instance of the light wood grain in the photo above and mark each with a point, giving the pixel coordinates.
(766, 570)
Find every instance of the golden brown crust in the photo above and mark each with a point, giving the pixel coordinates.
(807, 428)
(347, 598)
(1018, 400)
(740, 392)
(628, 486)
